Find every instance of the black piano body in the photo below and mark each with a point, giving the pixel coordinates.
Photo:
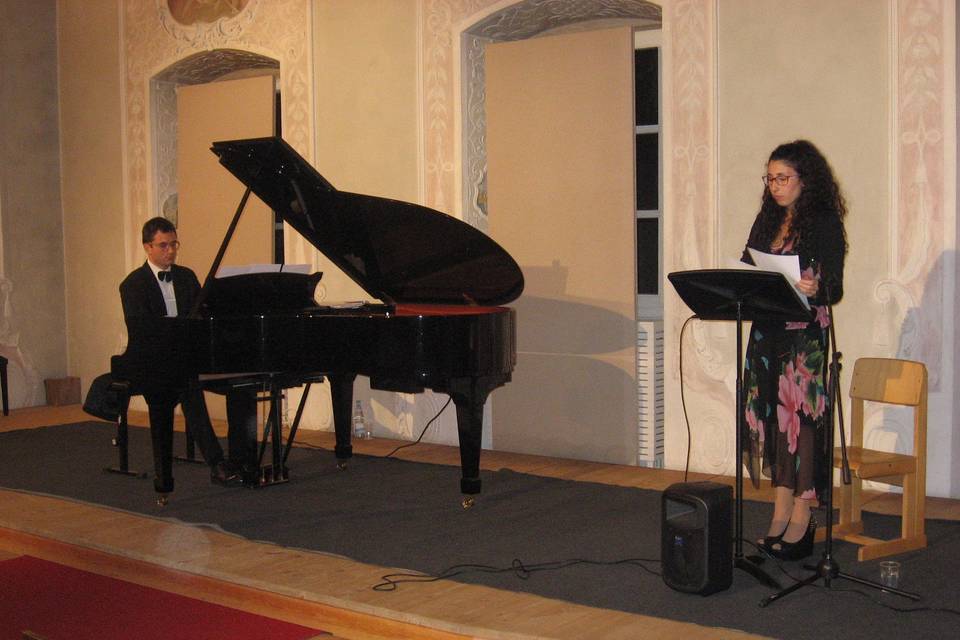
(440, 323)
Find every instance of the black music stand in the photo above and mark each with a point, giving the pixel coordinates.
(740, 294)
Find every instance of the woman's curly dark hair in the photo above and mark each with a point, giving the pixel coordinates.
(820, 197)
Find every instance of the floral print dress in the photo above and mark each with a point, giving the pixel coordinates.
(785, 402)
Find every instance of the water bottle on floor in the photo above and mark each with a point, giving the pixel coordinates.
(360, 431)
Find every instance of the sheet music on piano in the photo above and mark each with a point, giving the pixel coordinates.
(238, 270)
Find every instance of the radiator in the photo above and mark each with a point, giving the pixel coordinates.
(650, 393)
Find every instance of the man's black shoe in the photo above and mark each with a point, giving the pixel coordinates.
(222, 473)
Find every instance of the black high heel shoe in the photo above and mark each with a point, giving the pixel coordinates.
(769, 541)
(801, 548)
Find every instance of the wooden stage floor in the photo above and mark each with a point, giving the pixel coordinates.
(330, 592)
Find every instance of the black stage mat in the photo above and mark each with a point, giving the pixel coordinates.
(403, 514)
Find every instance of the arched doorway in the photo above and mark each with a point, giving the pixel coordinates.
(200, 68)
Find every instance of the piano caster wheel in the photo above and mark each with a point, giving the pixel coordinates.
(341, 465)
(163, 499)
(467, 502)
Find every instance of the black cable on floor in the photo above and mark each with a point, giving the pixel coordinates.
(391, 581)
(683, 401)
(417, 441)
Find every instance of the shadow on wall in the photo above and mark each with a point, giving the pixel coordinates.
(921, 332)
(920, 338)
(573, 393)
(550, 320)
(546, 325)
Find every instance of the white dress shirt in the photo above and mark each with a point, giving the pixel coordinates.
(166, 286)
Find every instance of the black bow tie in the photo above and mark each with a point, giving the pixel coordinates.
(165, 275)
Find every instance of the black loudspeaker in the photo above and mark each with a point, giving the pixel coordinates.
(696, 543)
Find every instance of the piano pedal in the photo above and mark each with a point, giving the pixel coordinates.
(467, 502)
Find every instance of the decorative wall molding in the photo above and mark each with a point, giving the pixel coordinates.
(920, 173)
(454, 35)
(160, 52)
(690, 232)
(154, 42)
(196, 29)
(207, 66)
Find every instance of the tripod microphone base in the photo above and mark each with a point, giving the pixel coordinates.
(751, 567)
(829, 570)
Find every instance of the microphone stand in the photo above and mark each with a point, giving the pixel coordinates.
(828, 568)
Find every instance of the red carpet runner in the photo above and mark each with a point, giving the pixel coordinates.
(56, 602)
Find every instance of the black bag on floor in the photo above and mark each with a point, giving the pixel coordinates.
(103, 400)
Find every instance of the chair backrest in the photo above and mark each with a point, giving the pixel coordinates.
(888, 380)
(902, 382)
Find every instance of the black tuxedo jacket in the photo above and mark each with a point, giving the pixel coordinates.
(140, 292)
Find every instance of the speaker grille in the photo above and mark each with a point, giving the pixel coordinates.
(695, 542)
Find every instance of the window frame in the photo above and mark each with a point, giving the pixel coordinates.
(650, 306)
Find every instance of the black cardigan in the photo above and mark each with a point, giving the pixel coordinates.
(826, 247)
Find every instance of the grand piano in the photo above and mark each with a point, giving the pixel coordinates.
(436, 319)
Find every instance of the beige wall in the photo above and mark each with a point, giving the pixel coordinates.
(799, 80)
(93, 201)
(32, 317)
(207, 195)
(365, 65)
(880, 103)
(557, 107)
(783, 74)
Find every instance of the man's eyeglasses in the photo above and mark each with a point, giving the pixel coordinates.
(163, 246)
(780, 179)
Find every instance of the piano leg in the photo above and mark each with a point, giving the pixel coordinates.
(161, 435)
(341, 395)
(242, 433)
(470, 395)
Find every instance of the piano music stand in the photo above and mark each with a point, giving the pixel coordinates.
(740, 294)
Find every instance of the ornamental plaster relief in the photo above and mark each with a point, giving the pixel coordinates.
(689, 153)
(154, 40)
(165, 43)
(919, 228)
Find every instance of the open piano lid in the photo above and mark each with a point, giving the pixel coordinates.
(397, 251)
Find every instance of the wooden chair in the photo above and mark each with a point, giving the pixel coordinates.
(898, 382)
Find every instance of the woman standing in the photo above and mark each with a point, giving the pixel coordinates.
(801, 214)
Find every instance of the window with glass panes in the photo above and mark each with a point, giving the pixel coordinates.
(648, 206)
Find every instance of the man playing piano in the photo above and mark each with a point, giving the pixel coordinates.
(163, 288)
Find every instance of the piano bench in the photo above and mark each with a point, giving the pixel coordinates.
(124, 391)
